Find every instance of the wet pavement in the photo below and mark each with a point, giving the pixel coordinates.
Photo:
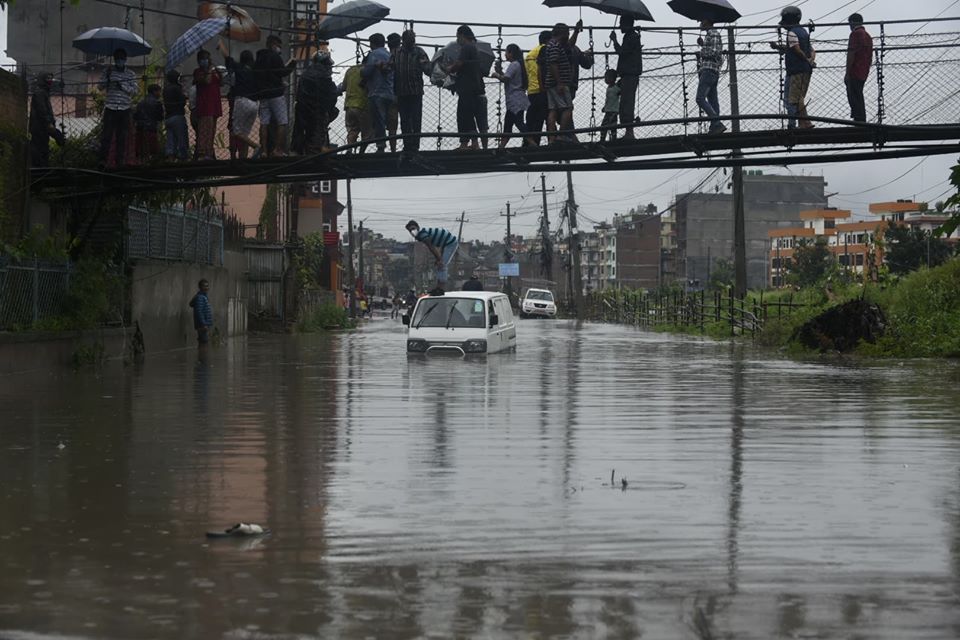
(447, 498)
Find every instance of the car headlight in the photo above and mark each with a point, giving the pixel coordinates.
(475, 346)
(416, 345)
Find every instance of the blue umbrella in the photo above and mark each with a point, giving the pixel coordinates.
(194, 38)
(103, 41)
(351, 17)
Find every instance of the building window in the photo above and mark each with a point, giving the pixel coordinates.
(859, 259)
(829, 224)
(323, 187)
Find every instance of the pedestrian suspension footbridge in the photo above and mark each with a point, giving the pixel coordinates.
(912, 96)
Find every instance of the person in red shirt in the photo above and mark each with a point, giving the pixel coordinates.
(207, 80)
(859, 56)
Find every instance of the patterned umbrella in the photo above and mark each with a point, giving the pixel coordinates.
(105, 40)
(631, 8)
(242, 26)
(710, 10)
(351, 17)
(194, 38)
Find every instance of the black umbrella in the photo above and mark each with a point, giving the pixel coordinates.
(105, 40)
(709, 10)
(631, 8)
(485, 55)
(350, 17)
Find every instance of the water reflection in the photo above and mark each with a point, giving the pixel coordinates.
(450, 498)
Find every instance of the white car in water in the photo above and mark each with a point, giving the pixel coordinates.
(461, 322)
(538, 302)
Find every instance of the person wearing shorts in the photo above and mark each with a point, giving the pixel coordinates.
(245, 108)
(557, 80)
(274, 118)
(356, 107)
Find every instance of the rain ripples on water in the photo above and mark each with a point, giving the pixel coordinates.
(764, 497)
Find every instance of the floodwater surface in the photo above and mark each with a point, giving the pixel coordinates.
(443, 498)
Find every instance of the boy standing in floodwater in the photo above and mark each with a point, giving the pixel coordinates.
(441, 243)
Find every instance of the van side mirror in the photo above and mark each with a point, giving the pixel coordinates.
(494, 320)
(405, 320)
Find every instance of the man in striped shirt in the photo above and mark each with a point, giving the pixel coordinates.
(120, 85)
(441, 243)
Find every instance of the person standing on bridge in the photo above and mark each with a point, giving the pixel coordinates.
(469, 87)
(120, 85)
(536, 90)
(272, 96)
(207, 81)
(245, 107)
(859, 57)
(629, 68)
(798, 62)
(410, 65)
(515, 81)
(442, 245)
(175, 125)
(43, 124)
(378, 74)
(356, 107)
(557, 79)
(710, 57)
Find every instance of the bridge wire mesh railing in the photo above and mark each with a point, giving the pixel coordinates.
(912, 82)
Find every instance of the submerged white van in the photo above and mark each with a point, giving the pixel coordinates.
(462, 322)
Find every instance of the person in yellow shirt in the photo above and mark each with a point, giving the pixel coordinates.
(536, 92)
(356, 107)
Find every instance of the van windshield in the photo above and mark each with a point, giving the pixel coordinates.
(449, 312)
(540, 295)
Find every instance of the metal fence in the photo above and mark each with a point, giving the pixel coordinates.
(31, 291)
(176, 234)
(908, 85)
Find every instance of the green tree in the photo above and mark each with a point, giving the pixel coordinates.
(953, 202)
(811, 263)
(721, 274)
(909, 248)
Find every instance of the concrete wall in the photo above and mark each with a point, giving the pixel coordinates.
(705, 222)
(161, 293)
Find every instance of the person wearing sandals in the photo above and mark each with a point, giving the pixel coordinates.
(245, 107)
(515, 87)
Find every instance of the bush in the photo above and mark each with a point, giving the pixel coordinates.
(325, 317)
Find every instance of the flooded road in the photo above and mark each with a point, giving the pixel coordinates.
(446, 498)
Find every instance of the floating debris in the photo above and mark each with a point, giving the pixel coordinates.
(240, 530)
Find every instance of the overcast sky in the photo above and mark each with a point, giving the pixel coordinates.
(388, 203)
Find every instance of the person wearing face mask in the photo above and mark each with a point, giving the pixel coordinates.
(207, 80)
(43, 124)
(271, 95)
(120, 85)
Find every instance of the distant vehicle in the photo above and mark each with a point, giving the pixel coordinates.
(538, 302)
(461, 322)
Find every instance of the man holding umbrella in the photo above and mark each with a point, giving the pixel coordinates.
(120, 85)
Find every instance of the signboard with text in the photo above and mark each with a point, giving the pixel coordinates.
(509, 270)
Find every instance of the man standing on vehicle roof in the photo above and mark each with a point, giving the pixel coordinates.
(441, 243)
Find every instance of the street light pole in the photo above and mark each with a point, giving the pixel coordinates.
(351, 276)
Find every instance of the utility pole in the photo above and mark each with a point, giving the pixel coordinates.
(546, 260)
(351, 276)
(508, 254)
(363, 273)
(456, 257)
(576, 281)
(739, 224)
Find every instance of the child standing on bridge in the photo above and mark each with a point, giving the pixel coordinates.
(441, 243)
